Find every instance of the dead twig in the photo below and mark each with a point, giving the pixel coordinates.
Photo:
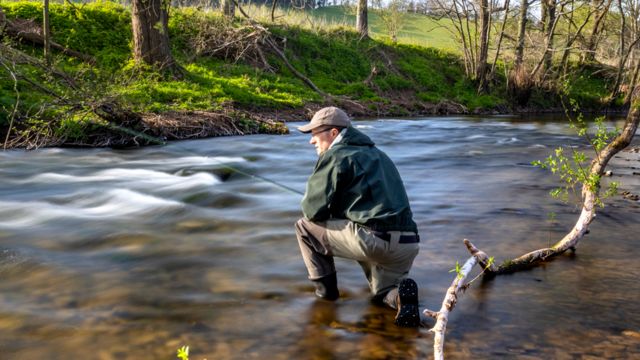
(269, 41)
(14, 111)
(27, 30)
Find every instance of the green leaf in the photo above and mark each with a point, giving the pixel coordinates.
(183, 353)
(457, 270)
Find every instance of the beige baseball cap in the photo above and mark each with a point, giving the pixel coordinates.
(331, 115)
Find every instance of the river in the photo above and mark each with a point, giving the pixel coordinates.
(132, 253)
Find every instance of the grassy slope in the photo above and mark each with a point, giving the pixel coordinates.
(333, 58)
(416, 30)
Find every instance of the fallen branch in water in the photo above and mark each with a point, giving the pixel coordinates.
(449, 302)
(570, 241)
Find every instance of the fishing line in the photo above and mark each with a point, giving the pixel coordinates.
(158, 141)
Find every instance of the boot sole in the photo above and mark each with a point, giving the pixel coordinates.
(408, 312)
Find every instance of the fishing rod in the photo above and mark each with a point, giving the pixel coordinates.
(159, 141)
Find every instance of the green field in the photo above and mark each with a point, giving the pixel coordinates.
(417, 29)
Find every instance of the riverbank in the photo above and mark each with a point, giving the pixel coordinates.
(231, 82)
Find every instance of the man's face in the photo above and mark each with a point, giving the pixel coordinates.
(322, 138)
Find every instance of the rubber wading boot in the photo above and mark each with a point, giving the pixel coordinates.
(408, 313)
(327, 287)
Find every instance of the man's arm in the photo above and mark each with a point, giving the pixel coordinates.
(321, 188)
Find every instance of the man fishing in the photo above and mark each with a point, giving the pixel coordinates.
(356, 207)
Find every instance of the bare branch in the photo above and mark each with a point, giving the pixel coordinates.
(14, 111)
(448, 304)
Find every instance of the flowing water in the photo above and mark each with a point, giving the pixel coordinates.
(117, 254)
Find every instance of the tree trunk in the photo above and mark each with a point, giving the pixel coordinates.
(46, 33)
(483, 51)
(600, 8)
(519, 84)
(500, 37)
(543, 15)
(624, 55)
(549, 34)
(362, 22)
(632, 83)
(522, 28)
(149, 20)
(571, 38)
(273, 10)
(621, 65)
(229, 8)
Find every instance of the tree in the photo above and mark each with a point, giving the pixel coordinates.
(362, 21)
(632, 9)
(600, 9)
(572, 36)
(393, 18)
(472, 21)
(519, 86)
(522, 28)
(229, 8)
(461, 14)
(625, 52)
(149, 20)
(549, 24)
(46, 32)
(483, 51)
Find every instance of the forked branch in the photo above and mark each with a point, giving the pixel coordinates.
(569, 241)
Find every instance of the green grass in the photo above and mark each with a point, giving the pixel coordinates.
(322, 44)
(417, 29)
(101, 29)
(323, 49)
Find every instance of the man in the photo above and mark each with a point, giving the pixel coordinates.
(356, 207)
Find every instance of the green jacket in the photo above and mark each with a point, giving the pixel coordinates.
(354, 180)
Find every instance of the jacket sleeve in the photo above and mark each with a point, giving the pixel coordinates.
(321, 188)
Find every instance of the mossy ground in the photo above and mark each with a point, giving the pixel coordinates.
(387, 78)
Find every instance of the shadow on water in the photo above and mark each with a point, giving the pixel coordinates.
(131, 254)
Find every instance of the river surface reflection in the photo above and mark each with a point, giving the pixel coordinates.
(114, 254)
